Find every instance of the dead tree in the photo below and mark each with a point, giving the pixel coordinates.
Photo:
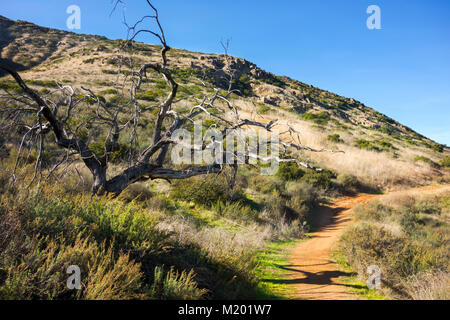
(56, 120)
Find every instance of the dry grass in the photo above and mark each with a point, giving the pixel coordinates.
(407, 198)
(377, 169)
(429, 286)
(406, 234)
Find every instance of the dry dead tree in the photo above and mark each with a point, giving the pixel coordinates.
(65, 120)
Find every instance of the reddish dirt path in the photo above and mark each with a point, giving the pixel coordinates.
(312, 272)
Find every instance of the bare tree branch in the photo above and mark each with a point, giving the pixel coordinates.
(120, 119)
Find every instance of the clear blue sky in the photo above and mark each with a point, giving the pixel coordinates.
(402, 70)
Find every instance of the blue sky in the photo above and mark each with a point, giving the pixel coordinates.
(402, 70)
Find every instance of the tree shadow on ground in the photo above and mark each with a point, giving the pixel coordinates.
(315, 278)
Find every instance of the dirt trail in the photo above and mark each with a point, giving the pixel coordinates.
(311, 270)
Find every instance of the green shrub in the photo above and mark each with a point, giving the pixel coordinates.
(136, 191)
(302, 194)
(425, 160)
(445, 162)
(117, 100)
(235, 210)
(44, 91)
(115, 153)
(389, 130)
(265, 184)
(335, 138)
(274, 80)
(263, 109)
(365, 144)
(10, 86)
(173, 285)
(184, 75)
(148, 96)
(425, 207)
(107, 71)
(417, 247)
(243, 85)
(205, 191)
(386, 145)
(289, 171)
(191, 90)
(349, 182)
(374, 211)
(90, 60)
(110, 91)
(104, 220)
(437, 147)
(321, 118)
(398, 257)
(41, 83)
(323, 179)
(40, 273)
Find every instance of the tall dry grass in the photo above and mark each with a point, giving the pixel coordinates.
(429, 286)
(376, 169)
(406, 234)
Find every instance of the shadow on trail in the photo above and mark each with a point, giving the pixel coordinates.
(316, 278)
(324, 218)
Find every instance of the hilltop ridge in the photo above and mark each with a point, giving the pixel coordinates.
(45, 55)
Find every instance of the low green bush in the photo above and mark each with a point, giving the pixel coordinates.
(110, 91)
(172, 285)
(437, 147)
(385, 145)
(108, 71)
(336, 138)
(321, 118)
(243, 85)
(118, 246)
(349, 182)
(445, 162)
(425, 160)
(389, 130)
(263, 109)
(149, 95)
(40, 272)
(289, 171)
(322, 180)
(405, 241)
(365, 144)
(205, 191)
(274, 80)
(266, 184)
(115, 153)
(10, 86)
(136, 191)
(43, 83)
(235, 210)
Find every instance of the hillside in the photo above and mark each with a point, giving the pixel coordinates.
(378, 149)
(196, 238)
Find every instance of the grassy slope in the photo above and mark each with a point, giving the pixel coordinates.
(406, 235)
(378, 149)
(175, 248)
(269, 260)
(222, 244)
(358, 287)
